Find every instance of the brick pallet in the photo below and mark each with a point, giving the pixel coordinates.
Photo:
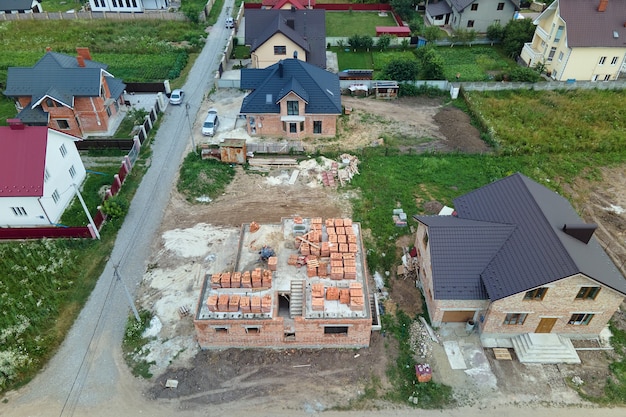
(233, 303)
(212, 302)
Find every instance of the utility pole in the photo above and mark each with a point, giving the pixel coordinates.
(82, 202)
(130, 299)
(193, 142)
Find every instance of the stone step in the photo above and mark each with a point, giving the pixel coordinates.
(544, 348)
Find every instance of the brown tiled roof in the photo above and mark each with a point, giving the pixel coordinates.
(587, 27)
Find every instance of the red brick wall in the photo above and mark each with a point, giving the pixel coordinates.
(273, 126)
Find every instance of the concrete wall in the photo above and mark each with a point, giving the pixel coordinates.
(559, 302)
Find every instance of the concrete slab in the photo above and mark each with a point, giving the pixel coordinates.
(455, 355)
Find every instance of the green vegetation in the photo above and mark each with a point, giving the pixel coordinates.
(402, 374)
(616, 384)
(355, 23)
(203, 178)
(134, 342)
(476, 63)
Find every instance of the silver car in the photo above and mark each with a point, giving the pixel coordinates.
(177, 96)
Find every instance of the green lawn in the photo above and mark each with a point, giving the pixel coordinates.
(476, 63)
(355, 23)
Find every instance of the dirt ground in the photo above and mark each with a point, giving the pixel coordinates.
(316, 380)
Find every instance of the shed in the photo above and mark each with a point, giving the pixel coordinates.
(385, 89)
(399, 31)
(233, 151)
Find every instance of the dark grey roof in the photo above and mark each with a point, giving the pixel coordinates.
(308, 32)
(538, 251)
(439, 8)
(318, 87)
(587, 27)
(9, 5)
(460, 4)
(460, 249)
(57, 76)
(116, 86)
(34, 116)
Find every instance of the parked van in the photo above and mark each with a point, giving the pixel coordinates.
(209, 127)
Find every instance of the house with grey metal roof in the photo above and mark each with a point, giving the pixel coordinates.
(580, 40)
(20, 6)
(475, 15)
(291, 99)
(72, 94)
(516, 259)
(275, 34)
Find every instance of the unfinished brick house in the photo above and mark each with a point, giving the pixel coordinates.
(72, 94)
(515, 260)
(291, 99)
(312, 291)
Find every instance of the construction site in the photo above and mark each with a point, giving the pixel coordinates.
(298, 283)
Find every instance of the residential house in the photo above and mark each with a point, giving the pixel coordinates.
(38, 174)
(516, 259)
(313, 295)
(278, 34)
(288, 4)
(20, 6)
(475, 15)
(72, 94)
(291, 99)
(580, 40)
(127, 6)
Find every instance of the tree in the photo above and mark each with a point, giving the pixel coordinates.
(431, 63)
(416, 25)
(432, 33)
(495, 32)
(367, 42)
(354, 41)
(384, 41)
(516, 33)
(404, 44)
(405, 8)
(401, 70)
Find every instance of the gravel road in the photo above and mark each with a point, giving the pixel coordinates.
(86, 370)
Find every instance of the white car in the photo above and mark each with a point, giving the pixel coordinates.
(176, 97)
(209, 127)
(230, 23)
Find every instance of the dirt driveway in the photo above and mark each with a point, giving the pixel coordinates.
(198, 238)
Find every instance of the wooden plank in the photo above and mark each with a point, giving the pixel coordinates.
(502, 354)
(306, 241)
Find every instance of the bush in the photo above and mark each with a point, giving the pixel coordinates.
(401, 70)
(523, 74)
(115, 207)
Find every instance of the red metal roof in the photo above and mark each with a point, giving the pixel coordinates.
(22, 160)
(393, 30)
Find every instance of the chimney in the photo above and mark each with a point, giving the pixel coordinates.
(582, 232)
(81, 61)
(280, 69)
(295, 54)
(15, 124)
(602, 5)
(48, 49)
(84, 52)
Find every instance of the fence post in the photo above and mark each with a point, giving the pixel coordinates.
(129, 165)
(147, 119)
(117, 180)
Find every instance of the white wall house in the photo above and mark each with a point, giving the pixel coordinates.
(127, 6)
(39, 167)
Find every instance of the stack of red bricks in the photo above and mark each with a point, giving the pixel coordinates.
(317, 297)
(332, 293)
(212, 302)
(312, 264)
(257, 279)
(222, 302)
(246, 280)
(341, 237)
(233, 303)
(225, 280)
(255, 304)
(344, 296)
(216, 280)
(266, 304)
(235, 280)
(244, 303)
(272, 263)
(266, 279)
(293, 260)
(356, 296)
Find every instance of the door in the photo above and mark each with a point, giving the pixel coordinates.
(545, 325)
(457, 316)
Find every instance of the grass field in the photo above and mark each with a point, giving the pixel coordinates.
(355, 23)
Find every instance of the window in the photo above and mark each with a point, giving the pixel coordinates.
(500, 6)
(342, 330)
(425, 239)
(614, 60)
(560, 56)
(515, 318)
(470, 23)
(587, 293)
(280, 50)
(56, 196)
(580, 319)
(594, 78)
(108, 110)
(301, 126)
(536, 294)
(317, 126)
(46, 175)
(475, 7)
(602, 60)
(63, 124)
(253, 330)
(551, 54)
(63, 150)
(293, 128)
(559, 33)
(223, 330)
(19, 211)
(72, 171)
(607, 77)
(49, 102)
(293, 108)
(268, 99)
